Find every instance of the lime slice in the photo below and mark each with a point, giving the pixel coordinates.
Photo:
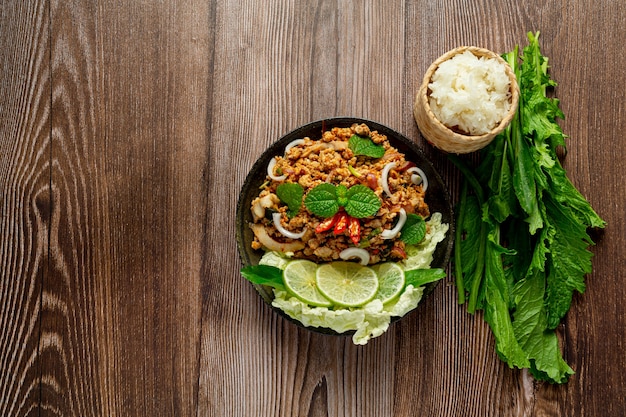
(390, 279)
(347, 284)
(299, 278)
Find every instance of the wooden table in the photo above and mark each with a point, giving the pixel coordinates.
(126, 131)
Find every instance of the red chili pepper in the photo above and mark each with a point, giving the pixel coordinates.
(327, 224)
(342, 223)
(354, 229)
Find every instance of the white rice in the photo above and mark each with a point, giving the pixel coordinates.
(470, 93)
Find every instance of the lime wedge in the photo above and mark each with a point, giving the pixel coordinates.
(347, 284)
(299, 278)
(390, 279)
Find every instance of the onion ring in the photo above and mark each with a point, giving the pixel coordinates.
(416, 177)
(391, 233)
(292, 144)
(266, 240)
(270, 171)
(283, 231)
(384, 178)
(360, 253)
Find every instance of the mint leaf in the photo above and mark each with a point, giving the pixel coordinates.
(342, 195)
(264, 275)
(364, 146)
(322, 200)
(421, 277)
(414, 229)
(290, 194)
(361, 202)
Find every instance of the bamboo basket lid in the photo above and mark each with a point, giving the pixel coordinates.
(440, 135)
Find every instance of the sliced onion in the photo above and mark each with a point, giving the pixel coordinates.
(360, 253)
(415, 178)
(266, 240)
(258, 209)
(283, 231)
(292, 144)
(384, 178)
(391, 233)
(270, 171)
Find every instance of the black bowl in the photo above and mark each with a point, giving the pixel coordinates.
(437, 197)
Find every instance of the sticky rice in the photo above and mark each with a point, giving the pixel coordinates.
(470, 94)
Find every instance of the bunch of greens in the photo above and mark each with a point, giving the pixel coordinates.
(521, 240)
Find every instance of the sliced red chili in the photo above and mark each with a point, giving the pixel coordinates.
(354, 230)
(342, 223)
(327, 224)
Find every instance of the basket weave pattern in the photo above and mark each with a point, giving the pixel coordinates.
(440, 135)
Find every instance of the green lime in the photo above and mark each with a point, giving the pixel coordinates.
(347, 284)
(390, 279)
(299, 278)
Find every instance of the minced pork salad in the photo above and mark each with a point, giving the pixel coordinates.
(347, 235)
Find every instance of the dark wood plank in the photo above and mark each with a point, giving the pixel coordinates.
(154, 71)
(121, 299)
(25, 200)
(71, 338)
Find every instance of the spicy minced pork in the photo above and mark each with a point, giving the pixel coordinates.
(330, 159)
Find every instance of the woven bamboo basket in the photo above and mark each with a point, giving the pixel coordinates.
(441, 136)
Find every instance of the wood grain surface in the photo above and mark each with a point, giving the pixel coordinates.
(126, 131)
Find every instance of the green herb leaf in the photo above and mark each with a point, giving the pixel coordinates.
(362, 202)
(421, 277)
(414, 229)
(322, 200)
(290, 194)
(342, 195)
(364, 146)
(264, 275)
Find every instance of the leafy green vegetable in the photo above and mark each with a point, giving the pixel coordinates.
(264, 275)
(325, 200)
(523, 260)
(290, 194)
(421, 277)
(364, 146)
(414, 229)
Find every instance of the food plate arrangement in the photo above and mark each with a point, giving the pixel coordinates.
(253, 215)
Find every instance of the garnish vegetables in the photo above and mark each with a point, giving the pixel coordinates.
(521, 244)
